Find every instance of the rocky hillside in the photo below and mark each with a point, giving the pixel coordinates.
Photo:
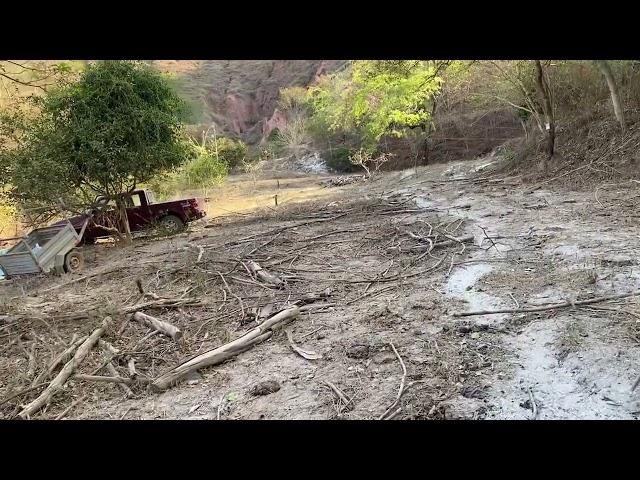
(240, 96)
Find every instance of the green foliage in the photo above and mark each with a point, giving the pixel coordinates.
(293, 99)
(339, 159)
(376, 98)
(194, 108)
(115, 127)
(207, 168)
(230, 152)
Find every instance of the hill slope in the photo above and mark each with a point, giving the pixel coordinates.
(240, 96)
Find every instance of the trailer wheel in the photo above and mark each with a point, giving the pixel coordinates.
(73, 262)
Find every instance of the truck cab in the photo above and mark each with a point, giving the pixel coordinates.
(142, 212)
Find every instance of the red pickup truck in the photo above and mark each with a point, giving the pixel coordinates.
(142, 213)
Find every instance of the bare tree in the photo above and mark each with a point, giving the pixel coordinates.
(25, 74)
(605, 68)
(366, 160)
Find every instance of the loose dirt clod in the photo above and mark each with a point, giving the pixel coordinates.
(358, 352)
(265, 388)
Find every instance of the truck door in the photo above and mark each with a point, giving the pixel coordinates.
(138, 211)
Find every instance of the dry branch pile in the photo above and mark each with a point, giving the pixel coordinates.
(203, 300)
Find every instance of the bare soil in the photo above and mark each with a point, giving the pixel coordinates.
(366, 245)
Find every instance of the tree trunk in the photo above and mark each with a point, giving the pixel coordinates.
(543, 90)
(605, 68)
(123, 220)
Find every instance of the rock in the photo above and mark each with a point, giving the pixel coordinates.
(265, 388)
(358, 351)
(475, 335)
(464, 329)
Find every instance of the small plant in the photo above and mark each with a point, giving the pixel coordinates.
(365, 159)
(253, 169)
(338, 159)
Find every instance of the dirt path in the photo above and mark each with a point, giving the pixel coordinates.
(530, 248)
(551, 247)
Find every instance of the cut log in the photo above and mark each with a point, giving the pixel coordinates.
(223, 353)
(58, 382)
(264, 275)
(157, 324)
(62, 357)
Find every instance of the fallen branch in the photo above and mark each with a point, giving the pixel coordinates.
(264, 275)
(62, 357)
(164, 303)
(308, 354)
(58, 382)
(548, 307)
(534, 407)
(123, 386)
(223, 353)
(101, 378)
(340, 394)
(446, 243)
(157, 324)
(400, 389)
(68, 409)
(21, 392)
(233, 294)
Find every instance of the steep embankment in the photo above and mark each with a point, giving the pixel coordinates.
(241, 96)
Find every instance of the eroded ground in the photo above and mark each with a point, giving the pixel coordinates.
(367, 246)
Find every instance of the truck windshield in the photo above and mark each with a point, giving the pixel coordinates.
(150, 197)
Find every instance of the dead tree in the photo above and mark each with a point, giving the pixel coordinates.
(605, 68)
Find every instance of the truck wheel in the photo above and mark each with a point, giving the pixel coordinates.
(171, 224)
(73, 262)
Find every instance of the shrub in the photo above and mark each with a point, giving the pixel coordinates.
(338, 159)
(231, 152)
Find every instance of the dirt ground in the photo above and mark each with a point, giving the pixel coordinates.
(390, 259)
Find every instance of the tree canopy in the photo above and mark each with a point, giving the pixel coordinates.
(377, 97)
(115, 127)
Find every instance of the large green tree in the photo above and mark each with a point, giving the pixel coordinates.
(378, 97)
(115, 127)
